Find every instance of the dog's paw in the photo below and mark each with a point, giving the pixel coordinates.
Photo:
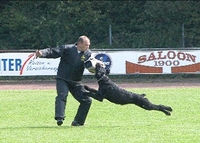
(170, 109)
(167, 113)
(166, 109)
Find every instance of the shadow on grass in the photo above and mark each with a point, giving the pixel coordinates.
(56, 127)
(36, 127)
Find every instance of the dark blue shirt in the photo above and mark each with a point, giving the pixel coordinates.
(71, 66)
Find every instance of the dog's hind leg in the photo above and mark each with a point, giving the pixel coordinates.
(147, 105)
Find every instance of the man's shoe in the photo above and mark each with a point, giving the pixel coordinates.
(75, 123)
(59, 122)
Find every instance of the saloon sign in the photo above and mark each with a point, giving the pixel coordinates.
(164, 62)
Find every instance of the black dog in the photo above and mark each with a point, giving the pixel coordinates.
(112, 92)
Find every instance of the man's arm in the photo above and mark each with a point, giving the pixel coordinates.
(50, 52)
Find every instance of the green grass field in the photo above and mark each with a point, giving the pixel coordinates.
(27, 116)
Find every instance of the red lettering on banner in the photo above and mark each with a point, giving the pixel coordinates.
(151, 57)
(166, 63)
(160, 55)
(190, 57)
(142, 59)
(169, 55)
(181, 56)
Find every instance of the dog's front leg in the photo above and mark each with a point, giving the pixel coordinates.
(93, 93)
(90, 89)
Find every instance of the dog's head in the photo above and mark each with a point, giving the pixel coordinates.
(100, 71)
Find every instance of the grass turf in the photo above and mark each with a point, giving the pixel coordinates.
(27, 116)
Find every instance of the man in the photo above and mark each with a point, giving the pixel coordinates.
(69, 75)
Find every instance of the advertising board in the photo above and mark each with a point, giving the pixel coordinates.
(119, 62)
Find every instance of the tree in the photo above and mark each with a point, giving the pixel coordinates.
(135, 24)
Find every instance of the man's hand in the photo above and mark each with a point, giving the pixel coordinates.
(38, 53)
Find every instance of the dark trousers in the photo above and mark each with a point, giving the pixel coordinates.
(79, 93)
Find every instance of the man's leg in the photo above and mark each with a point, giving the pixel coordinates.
(60, 102)
(85, 103)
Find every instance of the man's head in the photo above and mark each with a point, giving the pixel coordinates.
(83, 43)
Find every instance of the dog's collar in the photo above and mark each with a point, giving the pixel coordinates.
(101, 78)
